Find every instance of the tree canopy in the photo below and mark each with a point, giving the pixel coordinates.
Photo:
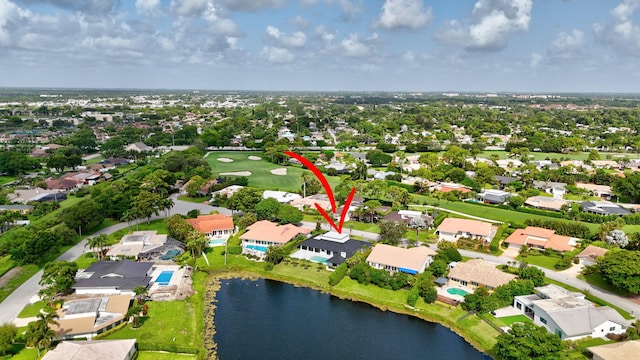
(527, 341)
(621, 268)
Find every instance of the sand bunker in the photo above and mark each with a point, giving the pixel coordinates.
(280, 171)
(236, 173)
(225, 159)
(251, 157)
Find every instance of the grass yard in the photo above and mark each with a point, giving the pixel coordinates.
(173, 326)
(488, 212)
(508, 320)
(597, 280)
(32, 310)
(85, 260)
(197, 200)
(6, 179)
(546, 262)
(628, 229)
(23, 275)
(157, 225)
(261, 176)
(6, 264)
(19, 352)
(158, 355)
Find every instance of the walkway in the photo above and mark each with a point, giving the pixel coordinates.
(17, 300)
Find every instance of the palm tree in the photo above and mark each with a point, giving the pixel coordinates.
(134, 312)
(129, 217)
(48, 318)
(166, 205)
(98, 242)
(140, 292)
(46, 340)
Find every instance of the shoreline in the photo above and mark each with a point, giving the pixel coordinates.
(214, 281)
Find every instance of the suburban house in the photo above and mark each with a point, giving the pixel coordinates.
(22, 209)
(217, 227)
(605, 164)
(113, 277)
(146, 245)
(227, 192)
(540, 238)
(138, 147)
(449, 187)
(492, 196)
(310, 202)
(623, 350)
(65, 184)
(332, 248)
(125, 349)
(557, 189)
(452, 229)
(503, 181)
(601, 191)
(262, 234)
(568, 314)
(546, 203)
(406, 216)
(477, 272)
(86, 318)
(603, 208)
(29, 195)
(589, 255)
(283, 197)
(393, 259)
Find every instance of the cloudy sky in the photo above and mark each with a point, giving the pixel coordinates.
(391, 45)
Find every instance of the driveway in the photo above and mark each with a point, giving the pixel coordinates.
(17, 300)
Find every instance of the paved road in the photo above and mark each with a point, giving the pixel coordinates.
(14, 303)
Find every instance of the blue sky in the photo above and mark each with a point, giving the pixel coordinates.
(326, 45)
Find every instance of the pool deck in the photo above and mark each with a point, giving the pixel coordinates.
(306, 255)
(168, 292)
(443, 292)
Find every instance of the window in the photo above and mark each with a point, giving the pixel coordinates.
(613, 328)
(463, 283)
(474, 283)
(543, 320)
(519, 306)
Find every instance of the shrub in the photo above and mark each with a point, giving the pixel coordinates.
(563, 264)
(268, 266)
(413, 296)
(338, 274)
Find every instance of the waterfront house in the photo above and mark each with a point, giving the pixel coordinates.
(452, 229)
(540, 238)
(217, 227)
(113, 277)
(568, 314)
(477, 272)
(125, 349)
(332, 247)
(145, 245)
(262, 234)
(393, 259)
(86, 318)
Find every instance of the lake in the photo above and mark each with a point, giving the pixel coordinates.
(266, 319)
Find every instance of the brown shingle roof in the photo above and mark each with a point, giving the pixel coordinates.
(481, 272)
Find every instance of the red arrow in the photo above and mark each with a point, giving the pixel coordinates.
(329, 192)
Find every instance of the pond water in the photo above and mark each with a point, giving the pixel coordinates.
(265, 319)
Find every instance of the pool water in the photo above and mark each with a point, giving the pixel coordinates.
(319, 259)
(257, 248)
(164, 278)
(457, 291)
(216, 242)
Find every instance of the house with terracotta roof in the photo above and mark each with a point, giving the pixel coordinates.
(310, 202)
(124, 349)
(262, 234)
(589, 255)
(477, 272)
(217, 227)
(540, 238)
(393, 259)
(452, 229)
(86, 318)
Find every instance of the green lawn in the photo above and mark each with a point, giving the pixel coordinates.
(261, 176)
(19, 352)
(6, 264)
(25, 273)
(157, 355)
(543, 155)
(85, 260)
(157, 225)
(198, 200)
(508, 320)
(546, 262)
(597, 280)
(32, 310)
(489, 212)
(6, 179)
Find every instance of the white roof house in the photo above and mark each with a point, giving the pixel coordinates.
(282, 196)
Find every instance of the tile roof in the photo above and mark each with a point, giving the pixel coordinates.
(481, 272)
(592, 252)
(455, 225)
(413, 258)
(91, 349)
(268, 231)
(209, 223)
(546, 238)
(624, 350)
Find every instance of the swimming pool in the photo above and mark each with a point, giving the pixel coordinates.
(216, 242)
(257, 248)
(319, 259)
(164, 278)
(457, 291)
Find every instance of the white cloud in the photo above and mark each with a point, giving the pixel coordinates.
(190, 8)
(535, 59)
(253, 5)
(349, 8)
(299, 21)
(297, 39)
(567, 45)
(409, 56)
(354, 47)
(148, 7)
(403, 14)
(8, 11)
(94, 7)
(491, 23)
(277, 55)
(623, 34)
